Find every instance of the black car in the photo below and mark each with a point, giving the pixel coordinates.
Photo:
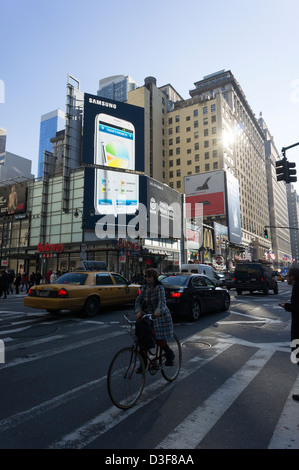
(255, 276)
(194, 295)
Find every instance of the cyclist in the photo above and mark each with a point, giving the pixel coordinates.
(152, 300)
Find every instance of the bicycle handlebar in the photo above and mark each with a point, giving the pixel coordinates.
(146, 315)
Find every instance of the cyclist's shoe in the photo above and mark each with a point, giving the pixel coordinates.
(169, 354)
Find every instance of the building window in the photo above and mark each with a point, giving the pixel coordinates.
(188, 151)
(189, 162)
(178, 150)
(205, 121)
(196, 146)
(206, 132)
(197, 157)
(188, 129)
(195, 123)
(215, 165)
(207, 167)
(170, 121)
(213, 118)
(214, 130)
(170, 131)
(196, 135)
(213, 107)
(187, 118)
(195, 112)
(188, 140)
(170, 163)
(178, 184)
(171, 174)
(177, 118)
(177, 140)
(178, 172)
(170, 142)
(205, 110)
(170, 152)
(178, 161)
(177, 129)
(171, 184)
(206, 143)
(215, 153)
(197, 169)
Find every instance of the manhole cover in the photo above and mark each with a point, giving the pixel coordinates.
(197, 345)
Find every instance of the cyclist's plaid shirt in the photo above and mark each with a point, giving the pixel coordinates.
(152, 300)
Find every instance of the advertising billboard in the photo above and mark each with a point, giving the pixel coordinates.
(164, 207)
(233, 208)
(207, 189)
(13, 198)
(113, 141)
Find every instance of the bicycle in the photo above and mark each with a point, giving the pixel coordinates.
(125, 385)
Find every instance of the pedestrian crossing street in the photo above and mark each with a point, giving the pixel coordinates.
(236, 391)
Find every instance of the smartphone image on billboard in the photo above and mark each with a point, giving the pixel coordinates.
(114, 147)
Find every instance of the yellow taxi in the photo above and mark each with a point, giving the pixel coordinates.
(85, 291)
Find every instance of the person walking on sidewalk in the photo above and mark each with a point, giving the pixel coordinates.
(18, 282)
(4, 283)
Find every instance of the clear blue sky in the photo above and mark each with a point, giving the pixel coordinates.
(176, 42)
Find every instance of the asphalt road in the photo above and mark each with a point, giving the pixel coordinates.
(233, 392)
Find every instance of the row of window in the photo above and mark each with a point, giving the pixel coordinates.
(196, 135)
(197, 170)
(196, 158)
(178, 183)
(195, 114)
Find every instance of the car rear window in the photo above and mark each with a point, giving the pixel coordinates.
(249, 268)
(175, 280)
(72, 278)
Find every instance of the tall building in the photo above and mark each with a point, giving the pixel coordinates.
(116, 87)
(215, 129)
(50, 124)
(157, 102)
(293, 209)
(277, 202)
(14, 167)
(3, 133)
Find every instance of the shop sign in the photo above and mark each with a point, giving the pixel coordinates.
(128, 245)
(4, 262)
(50, 247)
(122, 259)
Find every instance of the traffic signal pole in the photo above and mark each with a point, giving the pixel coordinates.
(285, 171)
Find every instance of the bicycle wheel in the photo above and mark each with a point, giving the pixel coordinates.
(125, 386)
(170, 373)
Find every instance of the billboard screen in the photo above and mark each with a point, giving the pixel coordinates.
(207, 189)
(233, 208)
(113, 139)
(164, 206)
(13, 198)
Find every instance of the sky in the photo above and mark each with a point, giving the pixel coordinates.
(176, 42)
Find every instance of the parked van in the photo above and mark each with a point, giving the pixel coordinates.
(202, 269)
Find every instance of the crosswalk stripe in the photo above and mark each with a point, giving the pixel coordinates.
(189, 433)
(93, 429)
(286, 434)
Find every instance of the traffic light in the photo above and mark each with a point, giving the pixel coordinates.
(291, 172)
(281, 169)
(265, 233)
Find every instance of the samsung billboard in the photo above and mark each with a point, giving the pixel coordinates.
(113, 143)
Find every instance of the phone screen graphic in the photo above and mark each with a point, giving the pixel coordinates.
(115, 192)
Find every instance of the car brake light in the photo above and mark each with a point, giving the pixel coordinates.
(62, 293)
(262, 279)
(29, 292)
(175, 294)
(138, 292)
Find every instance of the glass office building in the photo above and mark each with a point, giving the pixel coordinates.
(50, 124)
(116, 87)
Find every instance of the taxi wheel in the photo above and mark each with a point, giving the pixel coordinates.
(91, 307)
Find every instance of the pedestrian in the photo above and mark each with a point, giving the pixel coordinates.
(152, 300)
(25, 282)
(48, 275)
(293, 307)
(53, 277)
(38, 278)
(4, 283)
(10, 280)
(18, 282)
